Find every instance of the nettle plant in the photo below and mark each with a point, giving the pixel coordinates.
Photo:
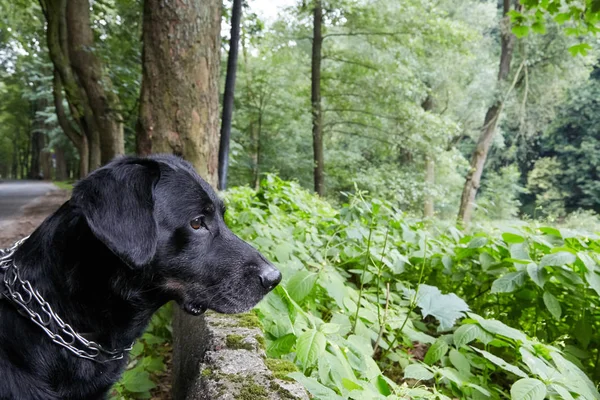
(372, 306)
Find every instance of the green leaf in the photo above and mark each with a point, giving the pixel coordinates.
(417, 372)
(591, 275)
(436, 352)
(314, 387)
(520, 30)
(446, 308)
(283, 251)
(460, 362)
(538, 27)
(539, 275)
(583, 332)
(486, 260)
(557, 259)
(301, 284)
(501, 363)
(528, 389)
(137, 381)
(509, 282)
(465, 334)
(309, 347)
(477, 242)
(552, 305)
(499, 328)
(281, 346)
(510, 238)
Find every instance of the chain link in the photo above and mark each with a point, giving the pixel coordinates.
(26, 298)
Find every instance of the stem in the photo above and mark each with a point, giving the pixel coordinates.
(362, 278)
(382, 324)
(379, 275)
(413, 301)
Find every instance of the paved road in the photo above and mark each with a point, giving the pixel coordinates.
(15, 194)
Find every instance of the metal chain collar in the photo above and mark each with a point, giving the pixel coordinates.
(25, 298)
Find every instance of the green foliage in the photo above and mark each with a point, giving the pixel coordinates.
(355, 278)
(147, 363)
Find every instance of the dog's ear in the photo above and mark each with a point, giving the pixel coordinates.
(117, 202)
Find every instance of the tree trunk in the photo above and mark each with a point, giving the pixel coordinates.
(179, 105)
(105, 126)
(492, 116)
(228, 97)
(319, 171)
(61, 164)
(79, 71)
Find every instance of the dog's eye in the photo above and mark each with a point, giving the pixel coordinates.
(197, 223)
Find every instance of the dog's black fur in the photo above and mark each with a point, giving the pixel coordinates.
(120, 248)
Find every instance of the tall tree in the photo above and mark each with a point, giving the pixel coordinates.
(315, 97)
(490, 123)
(236, 13)
(79, 72)
(179, 103)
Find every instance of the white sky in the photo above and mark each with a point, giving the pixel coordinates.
(267, 9)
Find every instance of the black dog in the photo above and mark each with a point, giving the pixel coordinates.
(134, 235)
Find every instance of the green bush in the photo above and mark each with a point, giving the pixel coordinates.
(372, 306)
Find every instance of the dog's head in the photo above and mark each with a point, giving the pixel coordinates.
(158, 215)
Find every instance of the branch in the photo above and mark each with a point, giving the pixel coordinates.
(350, 62)
(364, 34)
(363, 112)
(364, 136)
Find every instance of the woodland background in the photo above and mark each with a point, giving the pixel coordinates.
(453, 147)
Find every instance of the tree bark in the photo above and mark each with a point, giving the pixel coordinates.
(317, 117)
(179, 104)
(61, 164)
(228, 97)
(492, 116)
(104, 122)
(70, 40)
(79, 141)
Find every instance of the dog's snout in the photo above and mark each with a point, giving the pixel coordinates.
(269, 276)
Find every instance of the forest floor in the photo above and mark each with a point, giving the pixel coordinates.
(33, 215)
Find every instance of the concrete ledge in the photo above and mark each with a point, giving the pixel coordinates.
(222, 357)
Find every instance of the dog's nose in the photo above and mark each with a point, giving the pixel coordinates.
(269, 276)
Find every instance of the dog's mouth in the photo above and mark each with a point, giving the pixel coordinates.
(194, 308)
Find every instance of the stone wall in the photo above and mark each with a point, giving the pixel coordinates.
(222, 357)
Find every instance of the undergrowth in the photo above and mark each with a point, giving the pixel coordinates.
(377, 305)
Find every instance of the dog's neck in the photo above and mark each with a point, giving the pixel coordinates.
(87, 285)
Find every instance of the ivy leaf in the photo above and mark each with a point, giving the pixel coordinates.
(552, 305)
(528, 389)
(309, 347)
(509, 282)
(446, 308)
(301, 284)
(557, 259)
(417, 372)
(436, 352)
